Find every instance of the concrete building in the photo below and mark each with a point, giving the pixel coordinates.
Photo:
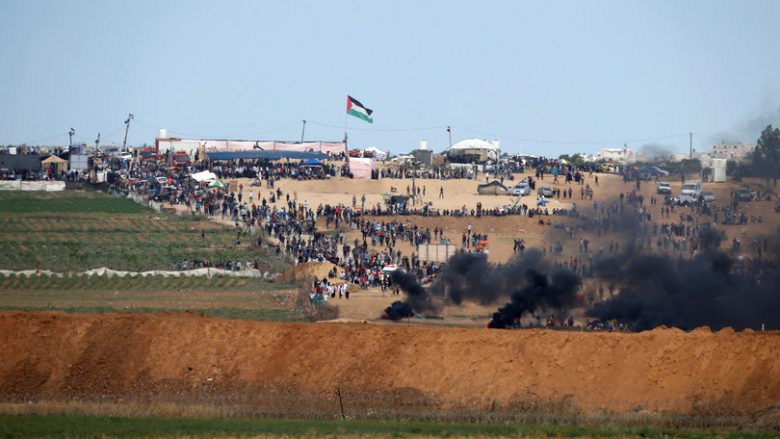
(423, 154)
(623, 155)
(732, 151)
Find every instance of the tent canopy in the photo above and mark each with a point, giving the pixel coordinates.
(312, 162)
(204, 176)
(54, 159)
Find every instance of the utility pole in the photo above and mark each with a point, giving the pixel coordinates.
(303, 130)
(127, 128)
(690, 146)
(70, 134)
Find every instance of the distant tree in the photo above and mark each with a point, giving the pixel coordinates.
(571, 159)
(732, 168)
(766, 157)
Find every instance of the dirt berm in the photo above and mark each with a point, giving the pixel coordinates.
(296, 367)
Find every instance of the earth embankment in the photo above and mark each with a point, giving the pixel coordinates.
(276, 366)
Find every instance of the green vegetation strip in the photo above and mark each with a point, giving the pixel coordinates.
(275, 315)
(77, 230)
(12, 202)
(13, 426)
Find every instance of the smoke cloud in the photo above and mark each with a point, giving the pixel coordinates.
(469, 277)
(417, 299)
(558, 292)
(706, 291)
(656, 150)
(749, 130)
(712, 289)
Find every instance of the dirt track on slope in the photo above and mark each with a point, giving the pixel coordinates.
(295, 368)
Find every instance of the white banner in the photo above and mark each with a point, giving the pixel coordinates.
(361, 168)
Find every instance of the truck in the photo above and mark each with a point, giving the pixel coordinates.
(148, 155)
(180, 160)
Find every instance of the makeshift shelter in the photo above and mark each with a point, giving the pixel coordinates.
(56, 164)
(20, 162)
(393, 200)
(493, 188)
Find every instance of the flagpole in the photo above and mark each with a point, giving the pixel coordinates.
(346, 131)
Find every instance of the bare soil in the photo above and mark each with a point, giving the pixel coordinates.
(295, 368)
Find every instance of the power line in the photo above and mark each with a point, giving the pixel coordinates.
(439, 127)
(45, 138)
(181, 133)
(575, 142)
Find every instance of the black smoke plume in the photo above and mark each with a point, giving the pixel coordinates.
(469, 277)
(712, 289)
(706, 291)
(417, 298)
(557, 291)
(656, 151)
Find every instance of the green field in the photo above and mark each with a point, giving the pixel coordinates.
(231, 297)
(78, 230)
(62, 426)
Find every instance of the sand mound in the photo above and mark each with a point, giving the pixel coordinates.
(186, 357)
(307, 271)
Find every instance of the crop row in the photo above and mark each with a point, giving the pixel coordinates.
(141, 255)
(64, 224)
(105, 282)
(125, 237)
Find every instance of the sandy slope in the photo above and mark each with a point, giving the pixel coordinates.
(184, 357)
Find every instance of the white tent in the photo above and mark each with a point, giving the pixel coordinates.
(204, 176)
(476, 146)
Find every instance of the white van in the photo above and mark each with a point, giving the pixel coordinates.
(691, 188)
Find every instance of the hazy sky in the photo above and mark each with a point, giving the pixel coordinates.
(543, 77)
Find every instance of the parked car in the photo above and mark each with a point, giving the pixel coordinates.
(664, 188)
(521, 189)
(650, 172)
(707, 196)
(546, 191)
(684, 200)
(744, 194)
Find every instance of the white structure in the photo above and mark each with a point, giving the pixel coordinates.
(732, 151)
(377, 153)
(484, 149)
(622, 155)
(190, 146)
(719, 170)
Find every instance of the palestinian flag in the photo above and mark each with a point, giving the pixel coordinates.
(357, 109)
